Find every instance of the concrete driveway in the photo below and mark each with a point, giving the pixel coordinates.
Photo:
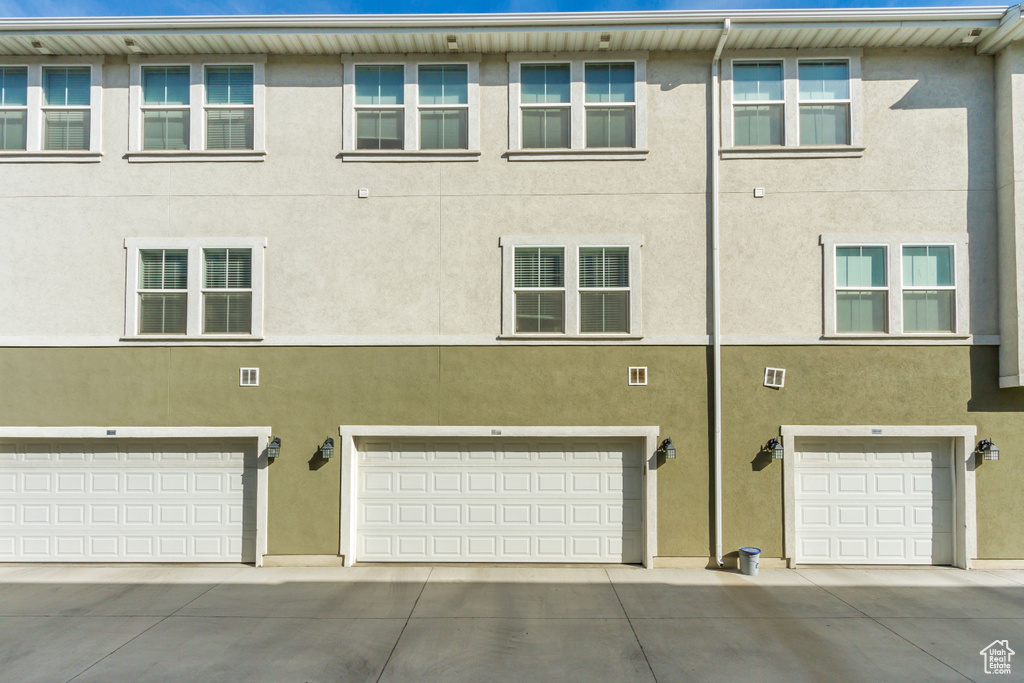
(227, 623)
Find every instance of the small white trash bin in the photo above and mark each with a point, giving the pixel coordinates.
(749, 559)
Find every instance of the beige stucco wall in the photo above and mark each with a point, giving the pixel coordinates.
(421, 255)
(928, 167)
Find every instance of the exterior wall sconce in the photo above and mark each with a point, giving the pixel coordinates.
(988, 450)
(775, 447)
(327, 449)
(274, 448)
(668, 448)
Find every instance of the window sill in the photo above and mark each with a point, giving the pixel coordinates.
(569, 337)
(895, 337)
(778, 152)
(54, 157)
(411, 155)
(206, 338)
(155, 157)
(609, 154)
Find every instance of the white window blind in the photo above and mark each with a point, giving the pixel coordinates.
(540, 289)
(66, 114)
(230, 115)
(163, 295)
(227, 291)
(604, 290)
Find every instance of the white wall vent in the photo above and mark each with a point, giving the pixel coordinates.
(775, 377)
(248, 377)
(638, 377)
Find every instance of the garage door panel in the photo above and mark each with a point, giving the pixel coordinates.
(890, 504)
(502, 499)
(174, 500)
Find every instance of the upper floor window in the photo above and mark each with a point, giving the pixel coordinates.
(885, 285)
(416, 109)
(51, 109)
(571, 286)
(13, 107)
(196, 107)
(788, 104)
(577, 107)
(194, 287)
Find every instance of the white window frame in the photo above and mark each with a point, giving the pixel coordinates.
(195, 248)
(894, 277)
(411, 106)
(791, 146)
(34, 124)
(577, 107)
(572, 246)
(197, 109)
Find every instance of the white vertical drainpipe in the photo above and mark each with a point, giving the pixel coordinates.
(716, 305)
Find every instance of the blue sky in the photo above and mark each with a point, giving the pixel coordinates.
(75, 8)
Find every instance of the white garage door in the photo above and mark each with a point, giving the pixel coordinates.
(93, 500)
(499, 500)
(874, 501)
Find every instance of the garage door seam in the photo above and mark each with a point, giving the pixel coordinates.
(868, 616)
(405, 625)
(138, 635)
(630, 621)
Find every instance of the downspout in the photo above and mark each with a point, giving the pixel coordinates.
(716, 305)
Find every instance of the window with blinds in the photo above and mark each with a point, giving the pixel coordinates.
(230, 113)
(165, 107)
(163, 291)
(13, 107)
(227, 291)
(539, 287)
(604, 290)
(66, 101)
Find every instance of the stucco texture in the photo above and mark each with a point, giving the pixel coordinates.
(306, 393)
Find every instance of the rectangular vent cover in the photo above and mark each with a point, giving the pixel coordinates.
(638, 377)
(775, 377)
(248, 377)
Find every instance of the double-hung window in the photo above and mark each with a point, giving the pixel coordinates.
(546, 104)
(887, 285)
(411, 109)
(786, 103)
(571, 286)
(196, 108)
(824, 101)
(444, 106)
(66, 111)
(230, 112)
(13, 107)
(51, 110)
(572, 107)
(758, 103)
(194, 288)
(165, 107)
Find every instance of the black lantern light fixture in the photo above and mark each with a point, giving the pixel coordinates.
(327, 449)
(988, 449)
(774, 446)
(668, 448)
(274, 448)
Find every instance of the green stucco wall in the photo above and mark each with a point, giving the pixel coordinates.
(305, 393)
